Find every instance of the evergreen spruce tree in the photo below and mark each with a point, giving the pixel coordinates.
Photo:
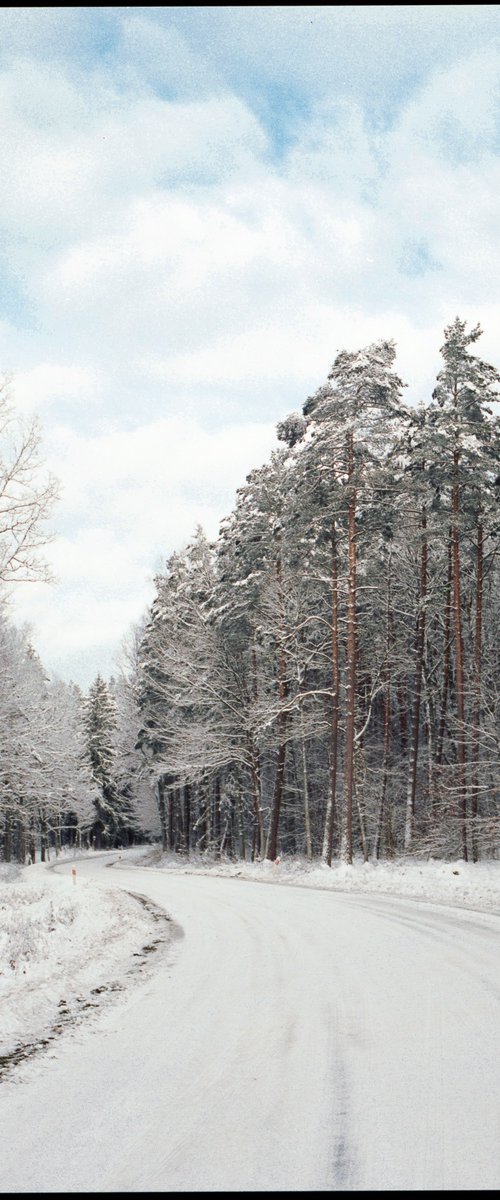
(112, 817)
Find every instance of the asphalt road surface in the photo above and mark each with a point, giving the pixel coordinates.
(290, 1039)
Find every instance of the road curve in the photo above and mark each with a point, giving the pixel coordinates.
(294, 1040)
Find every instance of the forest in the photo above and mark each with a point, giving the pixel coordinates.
(322, 680)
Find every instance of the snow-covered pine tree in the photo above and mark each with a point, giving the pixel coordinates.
(253, 619)
(466, 463)
(183, 695)
(67, 787)
(112, 820)
(133, 782)
(357, 411)
(314, 511)
(22, 693)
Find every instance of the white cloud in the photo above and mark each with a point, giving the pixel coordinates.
(142, 470)
(162, 56)
(128, 500)
(50, 383)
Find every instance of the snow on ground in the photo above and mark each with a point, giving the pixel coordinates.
(469, 885)
(62, 938)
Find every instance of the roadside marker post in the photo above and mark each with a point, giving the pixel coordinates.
(73, 872)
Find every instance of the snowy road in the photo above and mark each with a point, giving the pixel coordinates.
(296, 1039)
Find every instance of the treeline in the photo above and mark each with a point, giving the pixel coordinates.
(324, 679)
(69, 773)
(45, 784)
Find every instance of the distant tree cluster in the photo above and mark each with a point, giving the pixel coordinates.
(123, 790)
(45, 784)
(69, 773)
(46, 787)
(324, 679)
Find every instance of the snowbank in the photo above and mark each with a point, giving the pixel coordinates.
(63, 939)
(469, 885)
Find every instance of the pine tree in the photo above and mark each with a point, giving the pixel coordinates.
(112, 817)
(467, 454)
(252, 568)
(350, 420)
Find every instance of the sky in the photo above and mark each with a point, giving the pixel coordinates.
(186, 1033)
(199, 208)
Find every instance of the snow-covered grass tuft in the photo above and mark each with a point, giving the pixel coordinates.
(57, 941)
(30, 918)
(8, 872)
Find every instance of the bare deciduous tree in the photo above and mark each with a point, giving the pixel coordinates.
(27, 494)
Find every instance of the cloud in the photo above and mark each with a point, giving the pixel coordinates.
(162, 56)
(128, 500)
(283, 59)
(76, 160)
(42, 32)
(51, 383)
(145, 469)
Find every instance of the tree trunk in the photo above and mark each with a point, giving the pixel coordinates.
(331, 805)
(170, 819)
(162, 812)
(476, 718)
(241, 820)
(419, 660)
(259, 840)
(7, 838)
(32, 849)
(362, 829)
(430, 726)
(446, 653)
(217, 819)
(205, 817)
(350, 690)
(186, 824)
(177, 820)
(20, 839)
(459, 662)
(387, 721)
(305, 786)
(272, 840)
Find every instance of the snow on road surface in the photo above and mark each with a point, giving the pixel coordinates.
(292, 1039)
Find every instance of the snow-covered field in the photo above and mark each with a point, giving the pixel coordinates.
(65, 939)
